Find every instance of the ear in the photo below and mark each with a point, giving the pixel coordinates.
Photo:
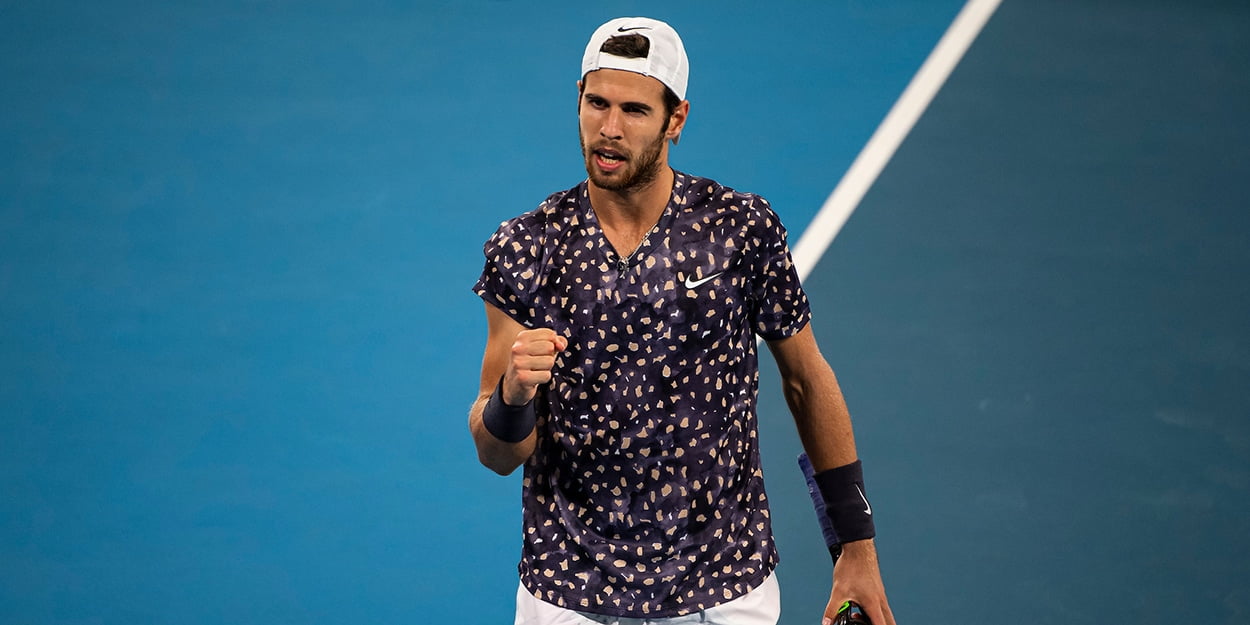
(677, 122)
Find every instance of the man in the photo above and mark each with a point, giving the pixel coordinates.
(620, 369)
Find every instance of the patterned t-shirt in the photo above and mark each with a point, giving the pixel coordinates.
(644, 496)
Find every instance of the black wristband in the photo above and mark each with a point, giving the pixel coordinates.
(508, 423)
(848, 509)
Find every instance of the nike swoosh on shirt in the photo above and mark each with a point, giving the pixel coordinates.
(693, 284)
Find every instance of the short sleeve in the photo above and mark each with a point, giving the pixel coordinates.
(510, 275)
(781, 308)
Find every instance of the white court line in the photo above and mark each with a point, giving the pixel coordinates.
(893, 129)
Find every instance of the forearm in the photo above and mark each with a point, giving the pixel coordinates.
(815, 400)
(824, 424)
(497, 455)
(515, 363)
(821, 415)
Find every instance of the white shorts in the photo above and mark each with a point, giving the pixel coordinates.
(761, 606)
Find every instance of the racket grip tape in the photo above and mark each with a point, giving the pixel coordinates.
(818, 502)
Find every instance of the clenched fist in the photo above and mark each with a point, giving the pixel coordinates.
(533, 356)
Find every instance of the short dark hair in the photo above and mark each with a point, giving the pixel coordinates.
(631, 46)
(635, 46)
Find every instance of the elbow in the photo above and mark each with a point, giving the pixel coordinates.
(796, 392)
(496, 455)
(498, 465)
(793, 389)
(501, 457)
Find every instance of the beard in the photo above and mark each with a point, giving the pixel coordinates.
(637, 172)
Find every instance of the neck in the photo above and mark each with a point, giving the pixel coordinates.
(632, 211)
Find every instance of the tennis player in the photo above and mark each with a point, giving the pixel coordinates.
(621, 371)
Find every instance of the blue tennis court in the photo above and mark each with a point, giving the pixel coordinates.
(238, 345)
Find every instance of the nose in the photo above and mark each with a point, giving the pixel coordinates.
(611, 128)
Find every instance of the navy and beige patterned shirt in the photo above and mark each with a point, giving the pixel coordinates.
(644, 496)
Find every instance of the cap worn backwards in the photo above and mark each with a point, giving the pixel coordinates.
(666, 61)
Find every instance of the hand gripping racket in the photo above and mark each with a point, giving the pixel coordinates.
(850, 613)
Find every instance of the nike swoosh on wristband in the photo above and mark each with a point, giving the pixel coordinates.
(867, 506)
(692, 284)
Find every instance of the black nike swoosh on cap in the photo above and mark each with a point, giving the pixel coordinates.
(622, 29)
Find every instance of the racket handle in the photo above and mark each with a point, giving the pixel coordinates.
(851, 614)
(818, 503)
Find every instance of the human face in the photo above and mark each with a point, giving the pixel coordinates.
(623, 128)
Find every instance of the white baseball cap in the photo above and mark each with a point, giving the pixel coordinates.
(666, 61)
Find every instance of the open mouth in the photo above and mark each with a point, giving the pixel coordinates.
(608, 158)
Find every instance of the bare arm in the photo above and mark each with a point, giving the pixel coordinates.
(824, 424)
(523, 359)
(815, 399)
